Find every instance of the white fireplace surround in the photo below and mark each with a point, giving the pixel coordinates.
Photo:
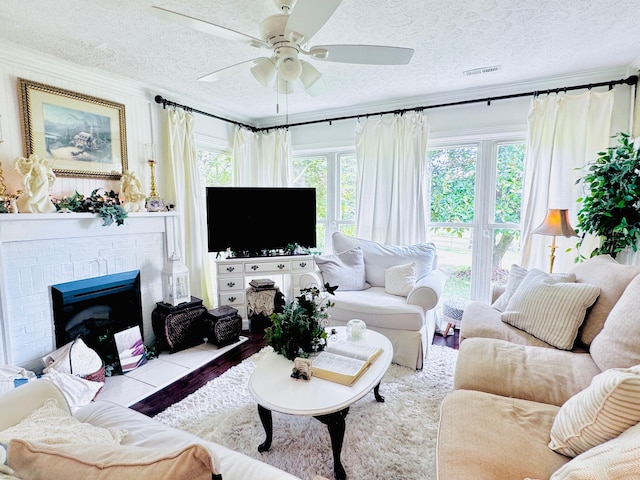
(40, 250)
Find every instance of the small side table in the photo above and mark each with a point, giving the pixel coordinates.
(260, 304)
(452, 311)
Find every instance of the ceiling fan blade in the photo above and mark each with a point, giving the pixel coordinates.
(226, 71)
(363, 54)
(206, 27)
(308, 16)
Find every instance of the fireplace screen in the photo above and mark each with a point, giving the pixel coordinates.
(96, 309)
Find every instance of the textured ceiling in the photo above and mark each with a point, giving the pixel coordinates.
(532, 39)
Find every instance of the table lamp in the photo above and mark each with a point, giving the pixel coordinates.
(555, 223)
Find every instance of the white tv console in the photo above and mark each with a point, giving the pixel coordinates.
(234, 275)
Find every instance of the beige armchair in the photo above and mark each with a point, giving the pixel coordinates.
(402, 311)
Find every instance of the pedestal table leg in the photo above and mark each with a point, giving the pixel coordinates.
(267, 423)
(376, 393)
(336, 425)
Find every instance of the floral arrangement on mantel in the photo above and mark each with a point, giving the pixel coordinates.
(300, 329)
(106, 206)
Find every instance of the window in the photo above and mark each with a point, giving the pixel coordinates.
(334, 177)
(475, 206)
(216, 168)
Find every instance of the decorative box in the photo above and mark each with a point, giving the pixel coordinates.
(181, 326)
(223, 325)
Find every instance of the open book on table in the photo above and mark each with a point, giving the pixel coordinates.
(344, 361)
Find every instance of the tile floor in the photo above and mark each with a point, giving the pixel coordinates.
(159, 372)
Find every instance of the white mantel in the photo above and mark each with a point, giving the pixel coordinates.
(40, 250)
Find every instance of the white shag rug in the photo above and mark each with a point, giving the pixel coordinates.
(394, 439)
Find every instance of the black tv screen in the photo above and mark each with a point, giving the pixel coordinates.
(254, 221)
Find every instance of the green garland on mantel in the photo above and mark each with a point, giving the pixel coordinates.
(106, 206)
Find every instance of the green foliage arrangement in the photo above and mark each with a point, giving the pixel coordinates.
(299, 329)
(106, 206)
(611, 205)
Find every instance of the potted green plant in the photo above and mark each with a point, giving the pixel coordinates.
(611, 205)
(299, 330)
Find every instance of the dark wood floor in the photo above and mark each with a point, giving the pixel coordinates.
(177, 391)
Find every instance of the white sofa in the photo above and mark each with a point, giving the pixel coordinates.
(142, 431)
(409, 321)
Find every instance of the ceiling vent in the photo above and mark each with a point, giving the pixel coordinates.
(478, 71)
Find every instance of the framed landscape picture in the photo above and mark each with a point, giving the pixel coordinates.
(85, 136)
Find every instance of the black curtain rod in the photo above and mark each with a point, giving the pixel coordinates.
(632, 80)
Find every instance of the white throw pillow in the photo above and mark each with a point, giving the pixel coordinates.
(400, 280)
(549, 310)
(516, 275)
(617, 459)
(602, 411)
(344, 270)
(378, 257)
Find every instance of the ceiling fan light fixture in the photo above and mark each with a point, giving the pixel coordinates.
(310, 75)
(264, 71)
(289, 68)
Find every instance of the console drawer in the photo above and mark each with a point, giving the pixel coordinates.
(226, 268)
(232, 298)
(230, 283)
(256, 267)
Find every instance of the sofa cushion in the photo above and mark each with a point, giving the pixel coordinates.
(602, 411)
(612, 278)
(344, 269)
(516, 275)
(546, 375)
(50, 424)
(550, 310)
(34, 460)
(378, 257)
(616, 459)
(400, 280)
(617, 344)
(487, 437)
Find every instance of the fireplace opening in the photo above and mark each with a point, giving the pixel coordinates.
(95, 309)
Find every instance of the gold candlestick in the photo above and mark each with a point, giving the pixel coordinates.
(155, 203)
(152, 164)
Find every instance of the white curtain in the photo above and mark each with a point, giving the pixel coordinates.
(261, 159)
(188, 193)
(565, 133)
(392, 178)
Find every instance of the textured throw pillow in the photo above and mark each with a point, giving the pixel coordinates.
(617, 459)
(516, 275)
(50, 424)
(612, 278)
(602, 411)
(344, 270)
(617, 345)
(32, 460)
(549, 310)
(378, 257)
(400, 280)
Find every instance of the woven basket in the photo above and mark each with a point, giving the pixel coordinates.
(97, 376)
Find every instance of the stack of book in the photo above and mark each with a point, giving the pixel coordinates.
(262, 284)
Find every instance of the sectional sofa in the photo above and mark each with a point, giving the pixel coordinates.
(530, 408)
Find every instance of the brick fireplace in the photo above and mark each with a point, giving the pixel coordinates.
(40, 250)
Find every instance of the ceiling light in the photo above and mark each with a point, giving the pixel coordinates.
(264, 71)
(310, 75)
(289, 67)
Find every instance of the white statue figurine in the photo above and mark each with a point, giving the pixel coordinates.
(37, 180)
(132, 197)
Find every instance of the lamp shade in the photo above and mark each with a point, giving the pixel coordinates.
(310, 75)
(175, 282)
(264, 71)
(289, 67)
(555, 223)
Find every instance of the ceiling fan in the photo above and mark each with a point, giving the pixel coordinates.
(286, 36)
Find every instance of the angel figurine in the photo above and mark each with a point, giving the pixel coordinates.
(37, 181)
(131, 195)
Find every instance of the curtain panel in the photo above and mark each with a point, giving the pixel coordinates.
(566, 132)
(261, 159)
(392, 178)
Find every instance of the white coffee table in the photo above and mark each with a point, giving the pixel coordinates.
(274, 390)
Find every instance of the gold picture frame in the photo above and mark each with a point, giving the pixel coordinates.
(84, 135)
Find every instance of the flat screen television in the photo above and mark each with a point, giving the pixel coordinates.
(260, 221)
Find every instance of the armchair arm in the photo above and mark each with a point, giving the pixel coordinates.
(21, 401)
(427, 290)
(311, 278)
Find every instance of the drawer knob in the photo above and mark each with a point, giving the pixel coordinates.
(232, 299)
(254, 267)
(281, 266)
(231, 284)
(303, 264)
(230, 269)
